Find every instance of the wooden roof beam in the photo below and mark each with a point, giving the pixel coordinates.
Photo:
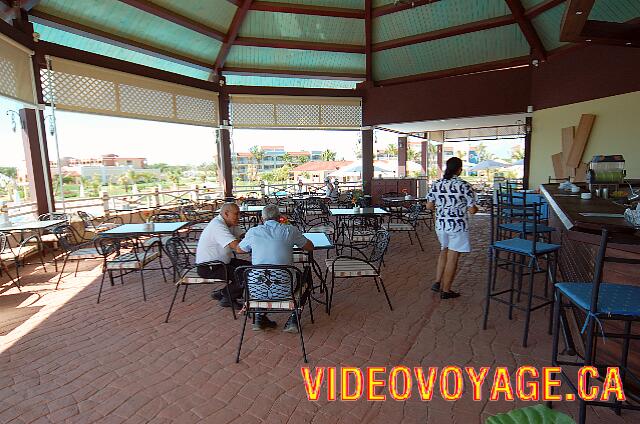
(446, 32)
(230, 38)
(288, 73)
(300, 45)
(168, 15)
(301, 9)
(527, 29)
(575, 17)
(368, 48)
(542, 7)
(464, 70)
(393, 8)
(114, 40)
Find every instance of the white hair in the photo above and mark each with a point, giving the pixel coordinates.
(270, 212)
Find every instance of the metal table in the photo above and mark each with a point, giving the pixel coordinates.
(320, 242)
(137, 230)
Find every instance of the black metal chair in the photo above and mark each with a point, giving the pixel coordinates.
(74, 248)
(98, 225)
(367, 265)
(523, 252)
(600, 302)
(8, 256)
(185, 272)
(134, 259)
(407, 224)
(272, 289)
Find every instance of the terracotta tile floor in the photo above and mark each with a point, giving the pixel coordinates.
(66, 359)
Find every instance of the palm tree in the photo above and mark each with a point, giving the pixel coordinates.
(257, 154)
(391, 150)
(483, 153)
(328, 155)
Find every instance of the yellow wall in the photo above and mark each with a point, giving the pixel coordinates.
(616, 130)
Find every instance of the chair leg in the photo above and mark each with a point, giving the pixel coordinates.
(588, 360)
(244, 325)
(556, 336)
(144, 294)
(487, 299)
(410, 239)
(512, 288)
(175, 294)
(520, 277)
(75, 274)
(304, 352)
(233, 303)
(527, 318)
(101, 284)
(419, 241)
(64, 264)
(624, 355)
(385, 293)
(333, 280)
(184, 293)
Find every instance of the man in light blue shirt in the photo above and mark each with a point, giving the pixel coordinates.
(272, 244)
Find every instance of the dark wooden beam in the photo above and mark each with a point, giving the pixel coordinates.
(299, 45)
(542, 7)
(231, 36)
(16, 35)
(471, 69)
(115, 40)
(393, 8)
(612, 33)
(230, 70)
(527, 29)
(45, 48)
(235, 2)
(291, 91)
(574, 19)
(301, 9)
(175, 18)
(368, 43)
(446, 32)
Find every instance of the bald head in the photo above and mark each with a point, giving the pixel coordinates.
(230, 212)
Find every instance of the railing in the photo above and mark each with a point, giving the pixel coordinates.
(267, 189)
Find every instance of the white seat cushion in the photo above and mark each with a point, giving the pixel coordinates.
(151, 240)
(398, 226)
(350, 268)
(192, 277)
(285, 304)
(130, 261)
(85, 253)
(11, 253)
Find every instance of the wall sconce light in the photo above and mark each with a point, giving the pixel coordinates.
(14, 125)
(52, 124)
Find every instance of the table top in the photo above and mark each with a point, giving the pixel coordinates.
(31, 225)
(141, 229)
(320, 241)
(362, 211)
(402, 199)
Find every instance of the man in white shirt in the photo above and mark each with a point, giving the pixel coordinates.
(272, 244)
(217, 243)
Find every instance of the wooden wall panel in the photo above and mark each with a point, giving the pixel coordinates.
(580, 140)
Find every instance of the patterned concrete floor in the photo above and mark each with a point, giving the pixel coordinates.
(65, 358)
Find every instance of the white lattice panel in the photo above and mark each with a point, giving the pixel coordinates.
(343, 116)
(253, 115)
(78, 91)
(298, 115)
(143, 101)
(7, 78)
(195, 109)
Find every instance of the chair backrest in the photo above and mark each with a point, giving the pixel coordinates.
(269, 283)
(165, 217)
(107, 246)
(414, 214)
(54, 216)
(178, 254)
(67, 237)
(380, 243)
(4, 241)
(602, 258)
(87, 220)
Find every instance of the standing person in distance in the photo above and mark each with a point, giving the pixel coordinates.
(453, 199)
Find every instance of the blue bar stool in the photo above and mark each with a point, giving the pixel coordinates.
(521, 256)
(599, 301)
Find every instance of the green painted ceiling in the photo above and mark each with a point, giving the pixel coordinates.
(127, 22)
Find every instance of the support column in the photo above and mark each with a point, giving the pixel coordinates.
(402, 157)
(367, 159)
(438, 136)
(424, 156)
(528, 126)
(224, 146)
(33, 159)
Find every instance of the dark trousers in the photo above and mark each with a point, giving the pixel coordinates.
(217, 271)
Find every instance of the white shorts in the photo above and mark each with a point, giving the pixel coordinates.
(458, 242)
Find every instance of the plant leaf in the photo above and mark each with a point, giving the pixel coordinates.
(538, 414)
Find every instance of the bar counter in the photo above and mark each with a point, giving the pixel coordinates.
(580, 236)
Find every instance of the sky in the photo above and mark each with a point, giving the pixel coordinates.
(86, 136)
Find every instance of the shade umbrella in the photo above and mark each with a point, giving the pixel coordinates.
(488, 164)
(355, 169)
